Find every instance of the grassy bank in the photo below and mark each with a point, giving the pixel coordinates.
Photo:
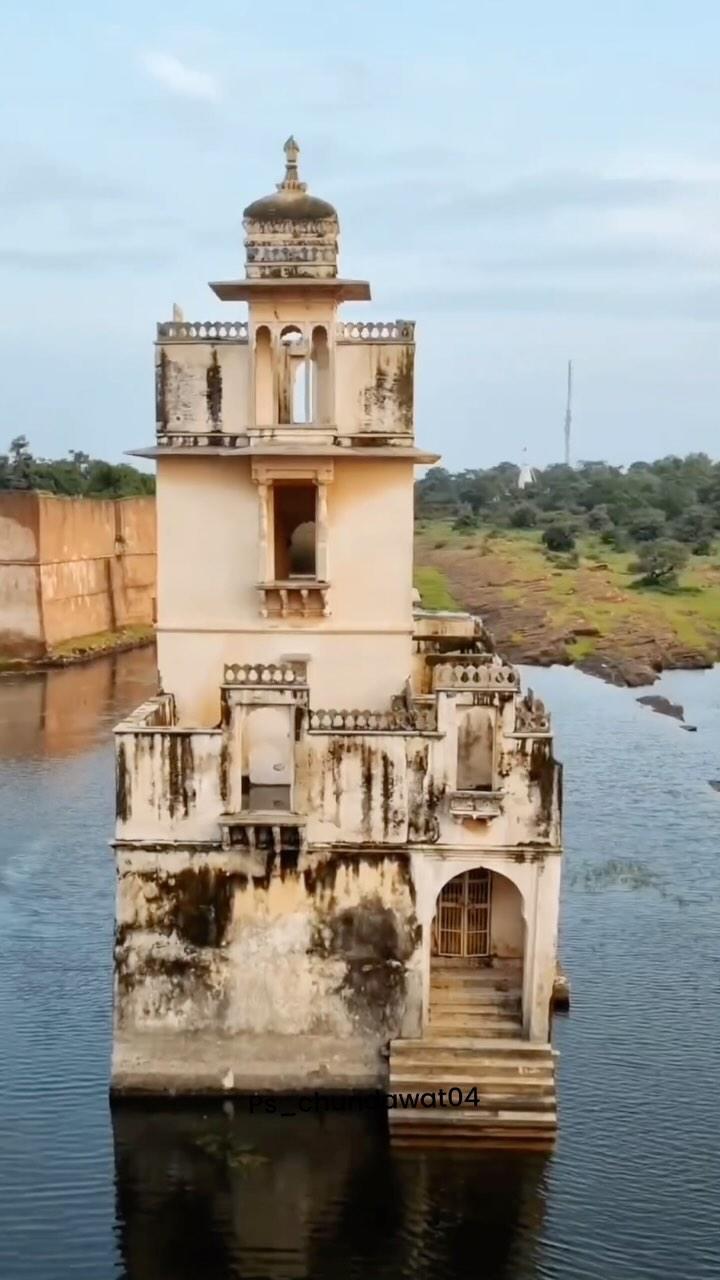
(81, 649)
(581, 608)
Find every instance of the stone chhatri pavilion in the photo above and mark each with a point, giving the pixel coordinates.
(338, 825)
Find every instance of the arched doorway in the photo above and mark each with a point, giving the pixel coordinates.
(477, 954)
(461, 928)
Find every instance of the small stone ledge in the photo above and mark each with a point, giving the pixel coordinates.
(187, 1063)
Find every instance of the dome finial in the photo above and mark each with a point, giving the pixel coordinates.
(291, 181)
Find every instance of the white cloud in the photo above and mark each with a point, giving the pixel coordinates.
(177, 78)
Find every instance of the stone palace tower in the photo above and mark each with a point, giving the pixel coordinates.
(338, 825)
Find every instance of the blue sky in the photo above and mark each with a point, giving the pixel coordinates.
(528, 181)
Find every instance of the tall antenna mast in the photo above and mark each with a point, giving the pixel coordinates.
(568, 415)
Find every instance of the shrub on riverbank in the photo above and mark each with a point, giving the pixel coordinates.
(659, 563)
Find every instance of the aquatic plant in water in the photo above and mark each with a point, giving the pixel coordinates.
(620, 873)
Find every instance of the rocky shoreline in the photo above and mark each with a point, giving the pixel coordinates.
(545, 615)
(642, 665)
(635, 661)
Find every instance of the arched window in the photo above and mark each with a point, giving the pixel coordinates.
(294, 380)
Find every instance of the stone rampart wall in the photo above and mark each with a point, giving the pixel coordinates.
(72, 567)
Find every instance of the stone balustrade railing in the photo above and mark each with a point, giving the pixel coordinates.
(475, 675)
(376, 331)
(422, 720)
(259, 673)
(203, 331)
(294, 599)
(237, 331)
(156, 713)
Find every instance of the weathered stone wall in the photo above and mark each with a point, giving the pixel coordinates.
(383, 789)
(320, 927)
(72, 567)
(284, 942)
(374, 382)
(21, 625)
(208, 603)
(202, 386)
(170, 784)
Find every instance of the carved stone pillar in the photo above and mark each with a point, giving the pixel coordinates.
(264, 574)
(321, 533)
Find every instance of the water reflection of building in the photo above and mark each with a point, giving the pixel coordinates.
(285, 1197)
(65, 710)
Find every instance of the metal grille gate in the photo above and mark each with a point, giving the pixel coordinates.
(462, 920)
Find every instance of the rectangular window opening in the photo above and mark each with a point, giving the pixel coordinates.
(295, 530)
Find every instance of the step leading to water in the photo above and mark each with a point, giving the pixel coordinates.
(469, 1089)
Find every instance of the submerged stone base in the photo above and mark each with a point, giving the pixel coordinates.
(185, 1063)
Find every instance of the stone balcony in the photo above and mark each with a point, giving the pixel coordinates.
(263, 831)
(294, 597)
(472, 671)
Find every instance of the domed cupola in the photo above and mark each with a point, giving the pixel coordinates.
(290, 234)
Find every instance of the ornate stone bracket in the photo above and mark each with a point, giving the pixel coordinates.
(481, 806)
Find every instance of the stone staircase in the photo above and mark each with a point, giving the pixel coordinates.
(499, 1088)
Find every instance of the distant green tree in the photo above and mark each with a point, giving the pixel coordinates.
(465, 520)
(78, 475)
(644, 501)
(559, 537)
(660, 562)
(524, 516)
(21, 463)
(436, 490)
(693, 526)
(599, 519)
(647, 524)
(616, 537)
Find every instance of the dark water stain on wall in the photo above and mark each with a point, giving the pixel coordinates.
(213, 395)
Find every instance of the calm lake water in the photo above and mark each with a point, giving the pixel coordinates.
(182, 1193)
